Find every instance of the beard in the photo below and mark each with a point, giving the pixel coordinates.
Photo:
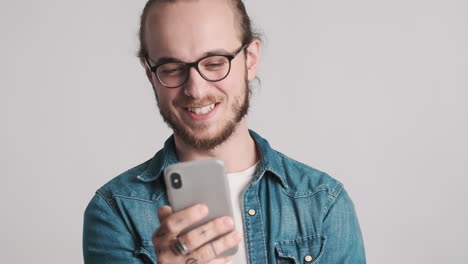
(240, 108)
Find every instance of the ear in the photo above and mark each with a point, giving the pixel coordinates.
(253, 59)
(149, 74)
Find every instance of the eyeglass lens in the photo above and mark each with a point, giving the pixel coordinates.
(213, 68)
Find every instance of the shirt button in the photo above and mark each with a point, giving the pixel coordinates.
(252, 212)
(308, 258)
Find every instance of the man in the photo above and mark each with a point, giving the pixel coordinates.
(199, 56)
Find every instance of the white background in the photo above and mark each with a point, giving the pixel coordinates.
(373, 92)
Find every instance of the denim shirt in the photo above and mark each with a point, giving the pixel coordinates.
(301, 215)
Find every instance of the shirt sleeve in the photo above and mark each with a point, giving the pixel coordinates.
(106, 239)
(344, 242)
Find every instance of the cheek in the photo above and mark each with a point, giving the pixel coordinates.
(235, 81)
(238, 66)
(164, 96)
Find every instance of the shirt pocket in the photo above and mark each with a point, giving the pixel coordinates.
(303, 250)
(143, 252)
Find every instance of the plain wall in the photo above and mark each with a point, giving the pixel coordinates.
(373, 92)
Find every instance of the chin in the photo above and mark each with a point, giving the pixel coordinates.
(207, 138)
(205, 133)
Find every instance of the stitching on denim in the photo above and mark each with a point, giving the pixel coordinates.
(283, 182)
(331, 201)
(150, 179)
(159, 196)
(317, 259)
(282, 253)
(336, 190)
(108, 201)
(323, 238)
(261, 221)
(143, 170)
(244, 219)
(336, 194)
(145, 180)
(285, 255)
(116, 214)
(249, 226)
(303, 194)
(331, 191)
(104, 197)
(340, 189)
(302, 239)
(264, 167)
(267, 167)
(278, 156)
(145, 242)
(321, 252)
(132, 198)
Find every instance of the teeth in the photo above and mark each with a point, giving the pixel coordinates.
(202, 110)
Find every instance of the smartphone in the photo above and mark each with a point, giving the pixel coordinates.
(204, 181)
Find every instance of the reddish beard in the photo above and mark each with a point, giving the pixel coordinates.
(240, 109)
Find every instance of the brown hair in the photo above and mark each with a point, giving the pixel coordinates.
(247, 32)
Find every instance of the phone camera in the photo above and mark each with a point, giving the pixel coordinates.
(176, 181)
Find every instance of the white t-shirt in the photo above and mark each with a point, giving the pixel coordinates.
(238, 181)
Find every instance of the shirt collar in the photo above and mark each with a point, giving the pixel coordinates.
(165, 157)
(269, 161)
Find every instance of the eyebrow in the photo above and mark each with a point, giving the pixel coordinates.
(163, 60)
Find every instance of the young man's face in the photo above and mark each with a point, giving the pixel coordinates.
(187, 31)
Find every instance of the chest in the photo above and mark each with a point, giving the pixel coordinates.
(278, 227)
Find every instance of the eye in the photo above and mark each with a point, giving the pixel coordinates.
(167, 71)
(171, 69)
(214, 63)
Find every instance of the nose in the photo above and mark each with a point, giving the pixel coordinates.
(195, 87)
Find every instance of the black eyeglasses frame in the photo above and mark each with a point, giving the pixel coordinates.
(195, 65)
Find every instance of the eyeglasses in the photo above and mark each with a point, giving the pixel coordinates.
(213, 68)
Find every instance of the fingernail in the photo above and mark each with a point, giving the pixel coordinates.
(228, 222)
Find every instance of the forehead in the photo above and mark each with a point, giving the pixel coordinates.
(186, 29)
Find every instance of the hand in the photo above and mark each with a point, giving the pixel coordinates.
(196, 240)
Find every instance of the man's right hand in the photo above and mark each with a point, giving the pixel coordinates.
(196, 240)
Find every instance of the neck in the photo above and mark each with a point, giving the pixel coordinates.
(238, 152)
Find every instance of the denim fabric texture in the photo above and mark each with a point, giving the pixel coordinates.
(302, 215)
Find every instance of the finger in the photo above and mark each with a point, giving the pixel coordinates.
(212, 250)
(221, 260)
(182, 219)
(207, 232)
(163, 212)
(227, 259)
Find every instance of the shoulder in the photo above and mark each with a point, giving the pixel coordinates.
(302, 180)
(127, 185)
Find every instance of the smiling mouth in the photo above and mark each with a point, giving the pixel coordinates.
(202, 110)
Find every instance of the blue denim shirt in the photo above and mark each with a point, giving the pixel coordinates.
(302, 214)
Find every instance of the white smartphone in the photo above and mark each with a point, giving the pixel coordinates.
(204, 181)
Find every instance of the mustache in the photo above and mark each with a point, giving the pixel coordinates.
(186, 101)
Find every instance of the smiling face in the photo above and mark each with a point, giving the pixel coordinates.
(202, 113)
